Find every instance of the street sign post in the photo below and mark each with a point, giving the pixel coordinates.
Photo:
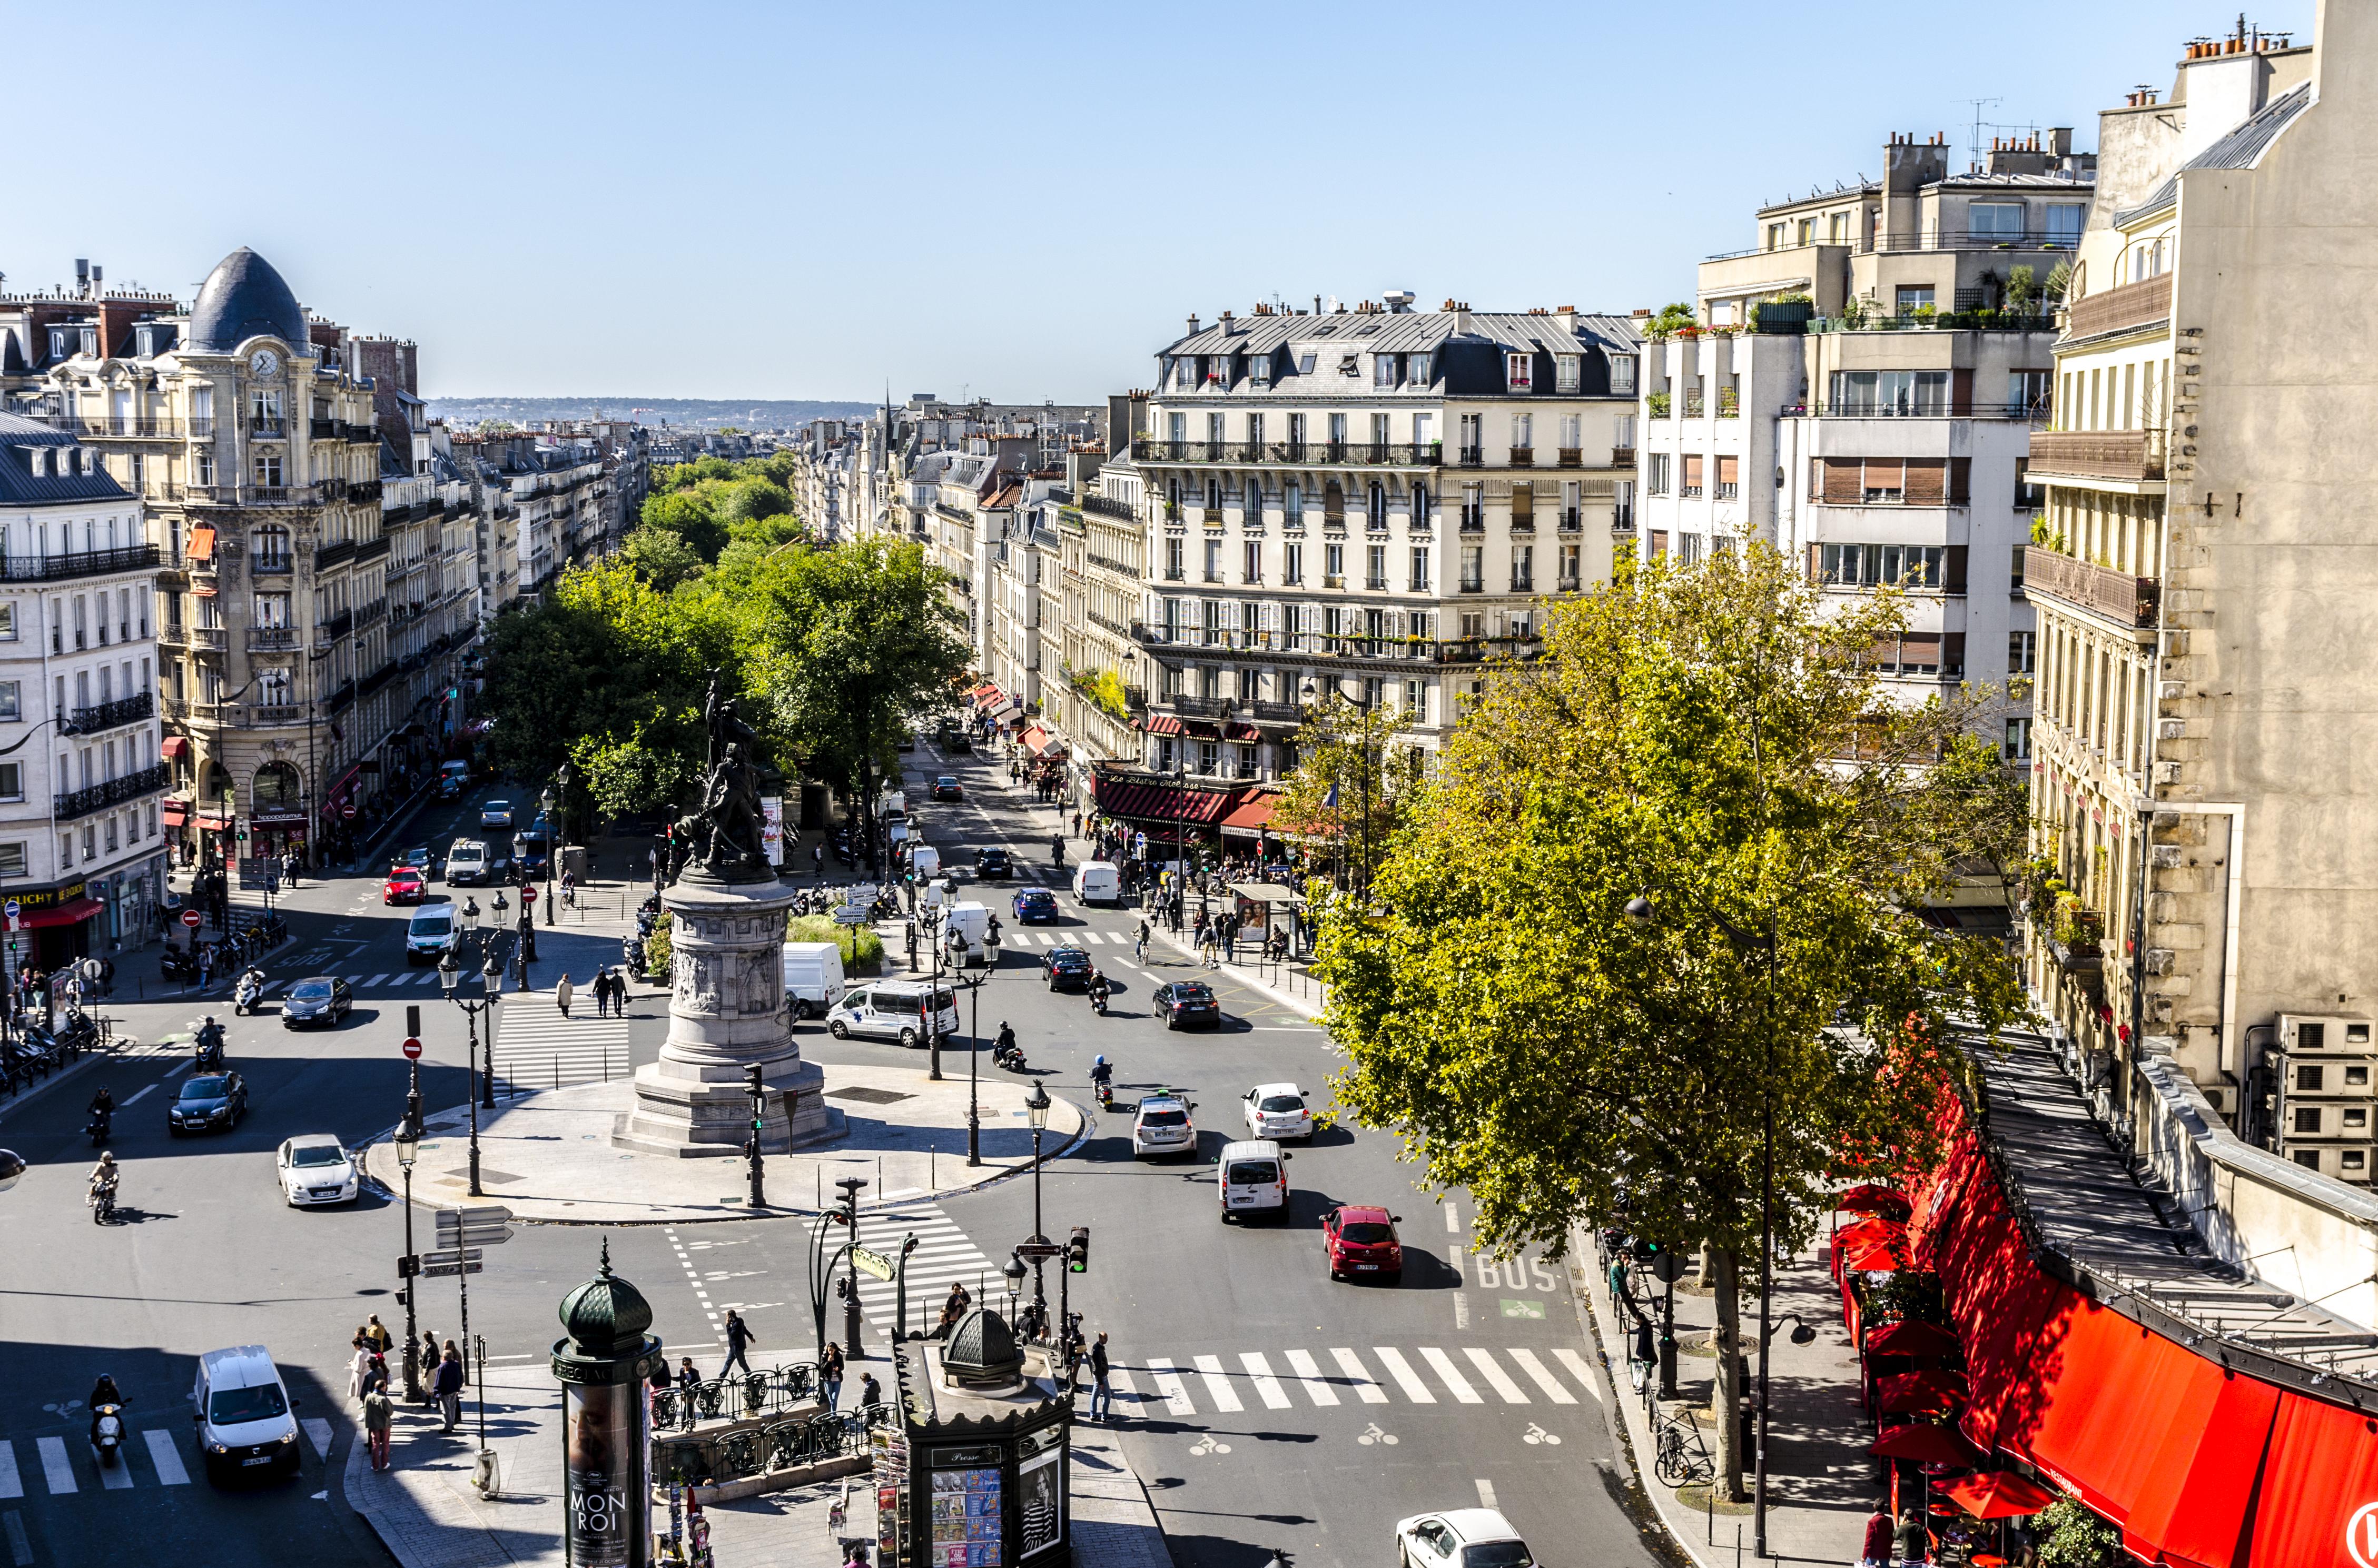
(451, 1255)
(482, 1225)
(448, 1271)
(413, 1050)
(873, 1262)
(1040, 1250)
(191, 919)
(850, 914)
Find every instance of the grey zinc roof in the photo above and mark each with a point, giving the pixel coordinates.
(1412, 331)
(19, 486)
(244, 297)
(2241, 149)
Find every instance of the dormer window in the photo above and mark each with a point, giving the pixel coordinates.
(90, 340)
(1622, 375)
(57, 342)
(1416, 370)
(1259, 369)
(1383, 370)
(1519, 372)
(1571, 376)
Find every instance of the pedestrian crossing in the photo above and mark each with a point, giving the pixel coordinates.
(61, 1466)
(1188, 1387)
(944, 1256)
(536, 1048)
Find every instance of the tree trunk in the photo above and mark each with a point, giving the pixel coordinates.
(1701, 1279)
(1726, 1403)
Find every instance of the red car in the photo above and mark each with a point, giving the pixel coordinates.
(1361, 1241)
(403, 886)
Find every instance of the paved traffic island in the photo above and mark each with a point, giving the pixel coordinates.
(548, 1156)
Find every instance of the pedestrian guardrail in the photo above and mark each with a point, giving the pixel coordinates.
(697, 1460)
(744, 1398)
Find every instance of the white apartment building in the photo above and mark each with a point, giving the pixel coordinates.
(82, 852)
(1376, 498)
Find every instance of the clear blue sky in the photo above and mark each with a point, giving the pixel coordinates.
(1018, 201)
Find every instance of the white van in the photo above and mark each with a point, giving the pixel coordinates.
(812, 978)
(243, 1415)
(430, 935)
(925, 861)
(892, 1010)
(894, 806)
(1098, 881)
(972, 921)
(1254, 1180)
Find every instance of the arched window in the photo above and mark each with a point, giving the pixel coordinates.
(277, 788)
(216, 784)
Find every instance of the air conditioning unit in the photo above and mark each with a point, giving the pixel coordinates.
(2325, 1088)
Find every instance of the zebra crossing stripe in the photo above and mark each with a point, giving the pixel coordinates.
(1400, 1370)
(1308, 1377)
(375, 979)
(1217, 1383)
(1119, 1380)
(166, 1457)
(1259, 1372)
(1577, 1368)
(116, 1476)
(1491, 1370)
(1542, 1378)
(11, 1483)
(1450, 1375)
(1168, 1383)
(55, 1467)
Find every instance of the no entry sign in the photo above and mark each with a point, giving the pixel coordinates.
(191, 917)
(413, 1050)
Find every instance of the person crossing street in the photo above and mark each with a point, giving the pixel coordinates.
(740, 1338)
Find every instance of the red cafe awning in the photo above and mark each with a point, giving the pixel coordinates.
(2320, 1476)
(1925, 1443)
(1908, 1337)
(1240, 730)
(1869, 1199)
(214, 824)
(73, 912)
(176, 745)
(1251, 816)
(1168, 724)
(175, 814)
(1932, 1389)
(1996, 1494)
(1137, 801)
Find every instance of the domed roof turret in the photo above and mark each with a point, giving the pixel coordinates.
(606, 1315)
(982, 1351)
(244, 297)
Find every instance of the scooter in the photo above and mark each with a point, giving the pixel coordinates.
(1098, 1000)
(1106, 1094)
(246, 994)
(98, 1128)
(103, 1203)
(1011, 1058)
(176, 964)
(107, 1432)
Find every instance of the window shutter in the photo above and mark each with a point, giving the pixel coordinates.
(1960, 391)
(1692, 471)
(1886, 473)
(1270, 613)
(1729, 470)
(1816, 559)
(1919, 648)
(1523, 499)
(1960, 472)
(1952, 653)
(1952, 577)
(1659, 542)
(1231, 615)
(1928, 483)
(1843, 484)
(1885, 652)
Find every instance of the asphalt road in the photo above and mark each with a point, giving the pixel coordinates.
(1267, 1406)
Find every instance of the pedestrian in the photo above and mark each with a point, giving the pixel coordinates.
(562, 992)
(448, 1388)
(869, 1391)
(1914, 1542)
(740, 1338)
(379, 1411)
(830, 1367)
(688, 1380)
(618, 987)
(1876, 1553)
(602, 993)
(429, 1365)
(359, 1365)
(1101, 1391)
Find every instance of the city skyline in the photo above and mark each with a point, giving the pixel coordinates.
(906, 208)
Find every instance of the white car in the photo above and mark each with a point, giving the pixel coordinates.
(1460, 1537)
(317, 1169)
(1162, 1127)
(1277, 1110)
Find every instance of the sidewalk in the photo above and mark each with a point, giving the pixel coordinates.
(1821, 1483)
(546, 1156)
(429, 1516)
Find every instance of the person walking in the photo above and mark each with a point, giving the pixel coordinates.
(869, 1391)
(830, 1367)
(688, 1379)
(740, 1338)
(377, 1332)
(448, 1388)
(562, 991)
(359, 1365)
(380, 1412)
(1101, 1391)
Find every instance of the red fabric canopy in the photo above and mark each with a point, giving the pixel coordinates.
(73, 912)
(1880, 1257)
(1999, 1494)
(1933, 1390)
(175, 746)
(1162, 803)
(1908, 1337)
(1925, 1444)
(2319, 1480)
(1869, 1199)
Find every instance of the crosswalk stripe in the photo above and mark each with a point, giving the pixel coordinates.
(1259, 1372)
(1543, 1377)
(375, 979)
(1491, 1370)
(1048, 938)
(317, 1432)
(1090, 935)
(1400, 1370)
(118, 1475)
(1217, 1383)
(1578, 1369)
(1450, 1375)
(166, 1457)
(11, 1483)
(1372, 1393)
(1308, 1376)
(55, 1467)
(1119, 1380)
(1168, 1383)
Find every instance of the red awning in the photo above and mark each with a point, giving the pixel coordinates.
(2192, 1502)
(1925, 1444)
(1132, 799)
(1166, 724)
(1908, 1337)
(73, 912)
(1999, 1494)
(175, 814)
(176, 745)
(1869, 1199)
(214, 824)
(2319, 1478)
(1240, 730)
(1934, 1390)
(1252, 812)
(202, 544)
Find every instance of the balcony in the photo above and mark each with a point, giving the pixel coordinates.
(2130, 456)
(1622, 457)
(338, 626)
(2118, 597)
(116, 791)
(265, 638)
(271, 566)
(1106, 507)
(85, 563)
(1275, 712)
(1571, 457)
(2141, 304)
(152, 427)
(1199, 707)
(329, 555)
(1692, 405)
(209, 639)
(1572, 519)
(107, 715)
(1474, 457)
(253, 496)
(272, 425)
(1523, 457)
(371, 614)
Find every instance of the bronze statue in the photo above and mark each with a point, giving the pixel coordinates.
(728, 832)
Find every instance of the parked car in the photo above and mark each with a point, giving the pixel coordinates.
(1098, 881)
(813, 978)
(324, 998)
(1460, 1537)
(1163, 1126)
(947, 787)
(243, 1415)
(1035, 906)
(209, 1102)
(1068, 969)
(496, 814)
(1186, 1004)
(993, 864)
(315, 1168)
(1277, 1110)
(1359, 1239)
(403, 886)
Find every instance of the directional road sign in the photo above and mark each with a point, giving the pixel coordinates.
(451, 1255)
(442, 1271)
(871, 1262)
(482, 1225)
(1040, 1250)
(850, 914)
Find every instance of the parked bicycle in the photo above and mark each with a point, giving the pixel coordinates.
(1682, 1459)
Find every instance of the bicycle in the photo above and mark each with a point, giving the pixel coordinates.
(1682, 1457)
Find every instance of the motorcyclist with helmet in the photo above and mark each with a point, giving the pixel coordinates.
(210, 1044)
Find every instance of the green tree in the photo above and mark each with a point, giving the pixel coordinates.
(749, 499)
(661, 557)
(1684, 741)
(1671, 320)
(692, 515)
(1353, 781)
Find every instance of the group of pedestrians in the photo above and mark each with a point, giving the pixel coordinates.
(609, 988)
(443, 1376)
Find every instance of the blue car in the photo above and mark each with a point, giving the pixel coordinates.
(1035, 906)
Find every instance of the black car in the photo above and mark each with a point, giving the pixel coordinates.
(324, 998)
(991, 864)
(954, 740)
(1186, 1004)
(209, 1102)
(947, 787)
(1069, 969)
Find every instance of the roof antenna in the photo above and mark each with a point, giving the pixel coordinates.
(1979, 104)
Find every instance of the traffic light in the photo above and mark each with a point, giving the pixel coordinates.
(1077, 1251)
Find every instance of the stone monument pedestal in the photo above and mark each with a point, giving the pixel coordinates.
(727, 1016)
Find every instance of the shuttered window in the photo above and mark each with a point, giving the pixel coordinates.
(1692, 483)
(1915, 482)
(1729, 478)
(1928, 483)
(1838, 481)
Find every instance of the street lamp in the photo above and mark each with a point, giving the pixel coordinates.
(552, 842)
(449, 976)
(1013, 1271)
(1036, 1106)
(974, 1075)
(408, 1147)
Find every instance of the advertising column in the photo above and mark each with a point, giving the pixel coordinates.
(606, 1494)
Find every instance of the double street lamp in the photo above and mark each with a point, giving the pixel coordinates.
(449, 976)
(1036, 1106)
(408, 1148)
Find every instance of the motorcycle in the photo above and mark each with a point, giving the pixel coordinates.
(176, 964)
(633, 950)
(248, 993)
(1106, 1094)
(107, 1432)
(98, 1128)
(103, 1203)
(210, 1056)
(1098, 1000)
(1010, 1058)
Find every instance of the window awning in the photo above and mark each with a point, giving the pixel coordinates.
(202, 544)
(2321, 1470)
(1171, 723)
(175, 814)
(1248, 820)
(1136, 801)
(74, 912)
(1239, 729)
(176, 745)
(215, 825)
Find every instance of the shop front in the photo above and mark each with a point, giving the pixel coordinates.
(174, 817)
(53, 926)
(277, 834)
